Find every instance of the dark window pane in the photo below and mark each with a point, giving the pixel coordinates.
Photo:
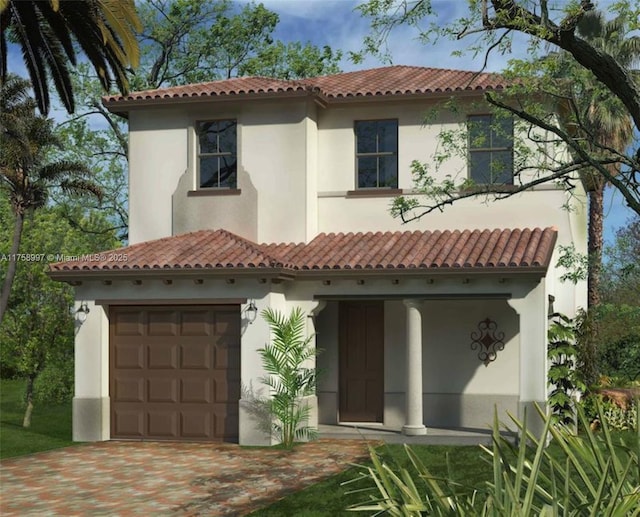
(388, 171)
(366, 137)
(208, 137)
(388, 136)
(228, 169)
(208, 171)
(479, 127)
(227, 136)
(367, 172)
(502, 132)
(502, 167)
(480, 167)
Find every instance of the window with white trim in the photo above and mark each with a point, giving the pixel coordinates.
(490, 149)
(217, 154)
(376, 153)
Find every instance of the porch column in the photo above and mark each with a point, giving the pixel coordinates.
(531, 306)
(414, 423)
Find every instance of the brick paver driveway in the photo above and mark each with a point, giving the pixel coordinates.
(151, 478)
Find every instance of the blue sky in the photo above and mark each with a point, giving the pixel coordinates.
(336, 23)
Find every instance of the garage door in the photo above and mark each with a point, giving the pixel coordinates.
(175, 372)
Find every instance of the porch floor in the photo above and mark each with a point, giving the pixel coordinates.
(434, 436)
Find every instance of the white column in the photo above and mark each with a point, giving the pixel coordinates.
(414, 423)
(531, 306)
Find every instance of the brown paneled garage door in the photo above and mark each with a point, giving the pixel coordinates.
(175, 372)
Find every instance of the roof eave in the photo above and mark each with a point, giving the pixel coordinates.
(123, 106)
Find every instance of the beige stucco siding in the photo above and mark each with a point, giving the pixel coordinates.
(157, 159)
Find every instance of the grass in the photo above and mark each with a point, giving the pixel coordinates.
(50, 424)
(330, 497)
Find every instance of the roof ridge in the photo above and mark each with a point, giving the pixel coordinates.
(256, 247)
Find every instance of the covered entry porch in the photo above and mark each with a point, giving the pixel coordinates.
(437, 362)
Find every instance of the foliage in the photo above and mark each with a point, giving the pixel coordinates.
(50, 429)
(586, 338)
(576, 264)
(592, 474)
(289, 378)
(37, 334)
(182, 41)
(49, 32)
(619, 349)
(534, 95)
(615, 416)
(27, 174)
(621, 272)
(563, 377)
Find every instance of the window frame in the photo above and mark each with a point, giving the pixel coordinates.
(490, 149)
(376, 155)
(199, 155)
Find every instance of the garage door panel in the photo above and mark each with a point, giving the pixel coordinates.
(128, 423)
(129, 389)
(162, 389)
(163, 323)
(162, 355)
(196, 390)
(129, 355)
(227, 324)
(196, 323)
(227, 358)
(197, 424)
(162, 423)
(175, 372)
(127, 323)
(196, 355)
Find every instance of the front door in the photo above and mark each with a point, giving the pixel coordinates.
(361, 361)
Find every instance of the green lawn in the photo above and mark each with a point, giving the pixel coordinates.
(50, 424)
(329, 497)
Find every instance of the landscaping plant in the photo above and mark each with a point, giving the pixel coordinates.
(592, 474)
(288, 378)
(563, 377)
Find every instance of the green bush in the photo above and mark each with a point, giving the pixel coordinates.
(54, 384)
(592, 474)
(621, 358)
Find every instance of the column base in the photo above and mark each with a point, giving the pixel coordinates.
(414, 430)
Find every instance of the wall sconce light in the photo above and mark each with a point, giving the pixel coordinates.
(82, 312)
(252, 312)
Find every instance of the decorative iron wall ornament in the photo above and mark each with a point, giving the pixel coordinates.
(487, 340)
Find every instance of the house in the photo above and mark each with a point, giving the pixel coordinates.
(252, 192)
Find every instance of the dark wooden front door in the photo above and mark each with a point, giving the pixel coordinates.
(361, 361)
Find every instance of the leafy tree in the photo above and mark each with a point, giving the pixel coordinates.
(37, 333)
(27, 175)
(622, 268)
(494, 24)
(605, 117)
(181, 41)
(48, 31)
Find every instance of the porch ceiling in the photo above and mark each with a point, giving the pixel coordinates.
(219, 252)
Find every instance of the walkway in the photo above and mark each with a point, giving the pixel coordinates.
(159, 478)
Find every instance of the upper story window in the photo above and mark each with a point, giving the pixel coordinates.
(490, 149)
(217, 154)
(377, 153)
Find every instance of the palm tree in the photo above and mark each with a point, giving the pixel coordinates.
(46, 31)
(602, 123)
(608, 123)
(26, 175)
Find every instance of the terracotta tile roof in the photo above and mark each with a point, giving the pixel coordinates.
(403, 80)
(446, 251)
(390, 80)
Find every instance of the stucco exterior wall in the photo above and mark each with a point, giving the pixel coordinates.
(275, 149)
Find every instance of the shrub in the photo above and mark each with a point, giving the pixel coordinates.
(593, 474)
(288, 378)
